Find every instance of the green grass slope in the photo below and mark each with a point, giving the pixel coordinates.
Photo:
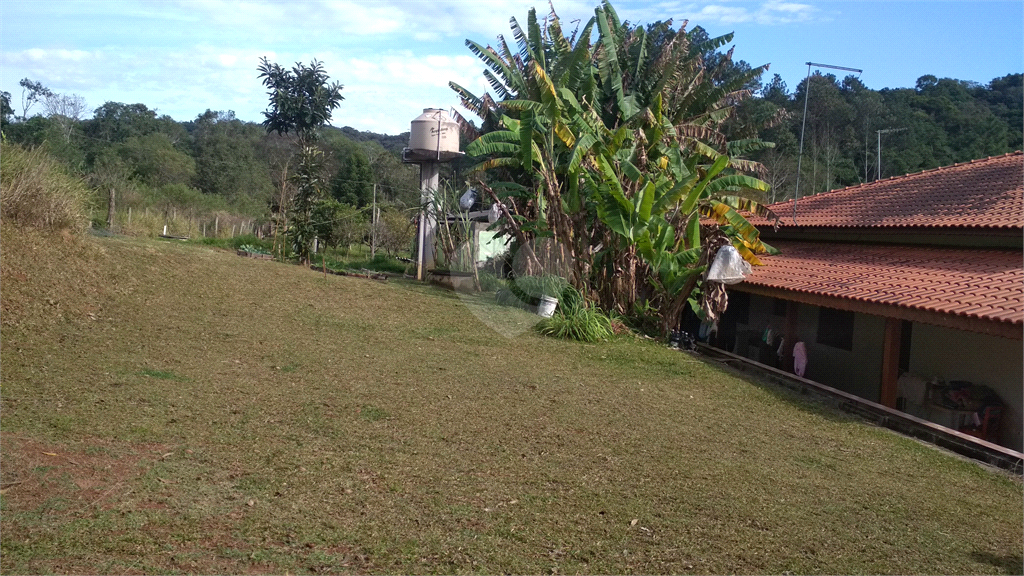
(171, 408)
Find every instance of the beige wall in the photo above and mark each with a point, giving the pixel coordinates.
(995, 362)
(856, 371)
(934, 352)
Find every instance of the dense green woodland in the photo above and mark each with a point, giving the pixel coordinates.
(214, 163)
(936, 123)
(218, 163)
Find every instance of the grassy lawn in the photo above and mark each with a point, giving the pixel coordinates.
(171, 408)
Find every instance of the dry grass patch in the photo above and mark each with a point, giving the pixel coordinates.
(341, 425)
(35, 191)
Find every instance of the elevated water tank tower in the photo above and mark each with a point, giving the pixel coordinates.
(433, 139)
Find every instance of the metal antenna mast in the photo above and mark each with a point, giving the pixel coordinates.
(880, 132)
(803, 125)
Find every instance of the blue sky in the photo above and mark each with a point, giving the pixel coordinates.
(396, 57)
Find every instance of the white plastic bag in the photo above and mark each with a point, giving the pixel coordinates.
(729, 267)
(468, 199)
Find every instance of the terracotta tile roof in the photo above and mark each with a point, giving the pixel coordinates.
(986, 193)
(985, 284)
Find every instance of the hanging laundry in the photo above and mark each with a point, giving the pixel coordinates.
(799, 358)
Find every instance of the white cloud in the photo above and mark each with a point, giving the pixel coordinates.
(770, 13)
(394, 57)
(723, 14)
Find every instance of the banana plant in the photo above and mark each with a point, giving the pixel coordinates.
(615, 148)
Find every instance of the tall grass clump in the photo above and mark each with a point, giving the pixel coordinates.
(36, 191)
(575, 319)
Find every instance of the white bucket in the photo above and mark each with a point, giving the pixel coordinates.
(547, 305)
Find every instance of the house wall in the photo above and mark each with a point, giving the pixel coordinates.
(857, 371)
(935, 352)
(978, 358)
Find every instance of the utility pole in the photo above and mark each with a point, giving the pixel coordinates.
(880, 132)
(803, 125)
(373, 225)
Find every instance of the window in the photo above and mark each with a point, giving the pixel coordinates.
(738, 309)
(835, 328)
(778, 307)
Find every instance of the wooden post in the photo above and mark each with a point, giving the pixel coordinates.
(204, 229)
(890, 361)
(789, 337)
(110, 210)
(216, 226)
(129, 216)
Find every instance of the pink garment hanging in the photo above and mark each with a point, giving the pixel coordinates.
(799, 358)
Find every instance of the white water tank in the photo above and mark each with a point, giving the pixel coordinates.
(434, 132)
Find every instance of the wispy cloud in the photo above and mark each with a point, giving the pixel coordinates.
(383, 91)
(770, 13)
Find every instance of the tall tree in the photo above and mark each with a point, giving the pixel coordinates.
(32, 92)
(301, 102)
(6, 111)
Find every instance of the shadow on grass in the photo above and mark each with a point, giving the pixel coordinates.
(807, 401)
(1009, 564)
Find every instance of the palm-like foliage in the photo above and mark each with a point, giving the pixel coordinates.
(614, 148)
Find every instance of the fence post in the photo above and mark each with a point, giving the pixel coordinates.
(110, 210)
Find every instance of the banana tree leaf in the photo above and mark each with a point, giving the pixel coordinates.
(526, 139)
(749, 166)
(697, 192)
(497, 85)
(673, 196)
(564, 134)
(613, 218)
(608, 63)
(646, 201)
(629, 170)
(736, 182)
(537, 46)
(748, 205)
(741, 228)
(644, 246)
(747, 145)
(582, 147)
(614, 186)
(531, 105)
(495, 163)
(770, 250)
(693, 231)
(747, 254)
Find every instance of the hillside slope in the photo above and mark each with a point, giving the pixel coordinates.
(168, 408)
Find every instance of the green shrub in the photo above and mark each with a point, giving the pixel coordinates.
(244, 242)
(254, 249)
(35, 191)
(583, 323)
(380, 263)
(576, 320)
